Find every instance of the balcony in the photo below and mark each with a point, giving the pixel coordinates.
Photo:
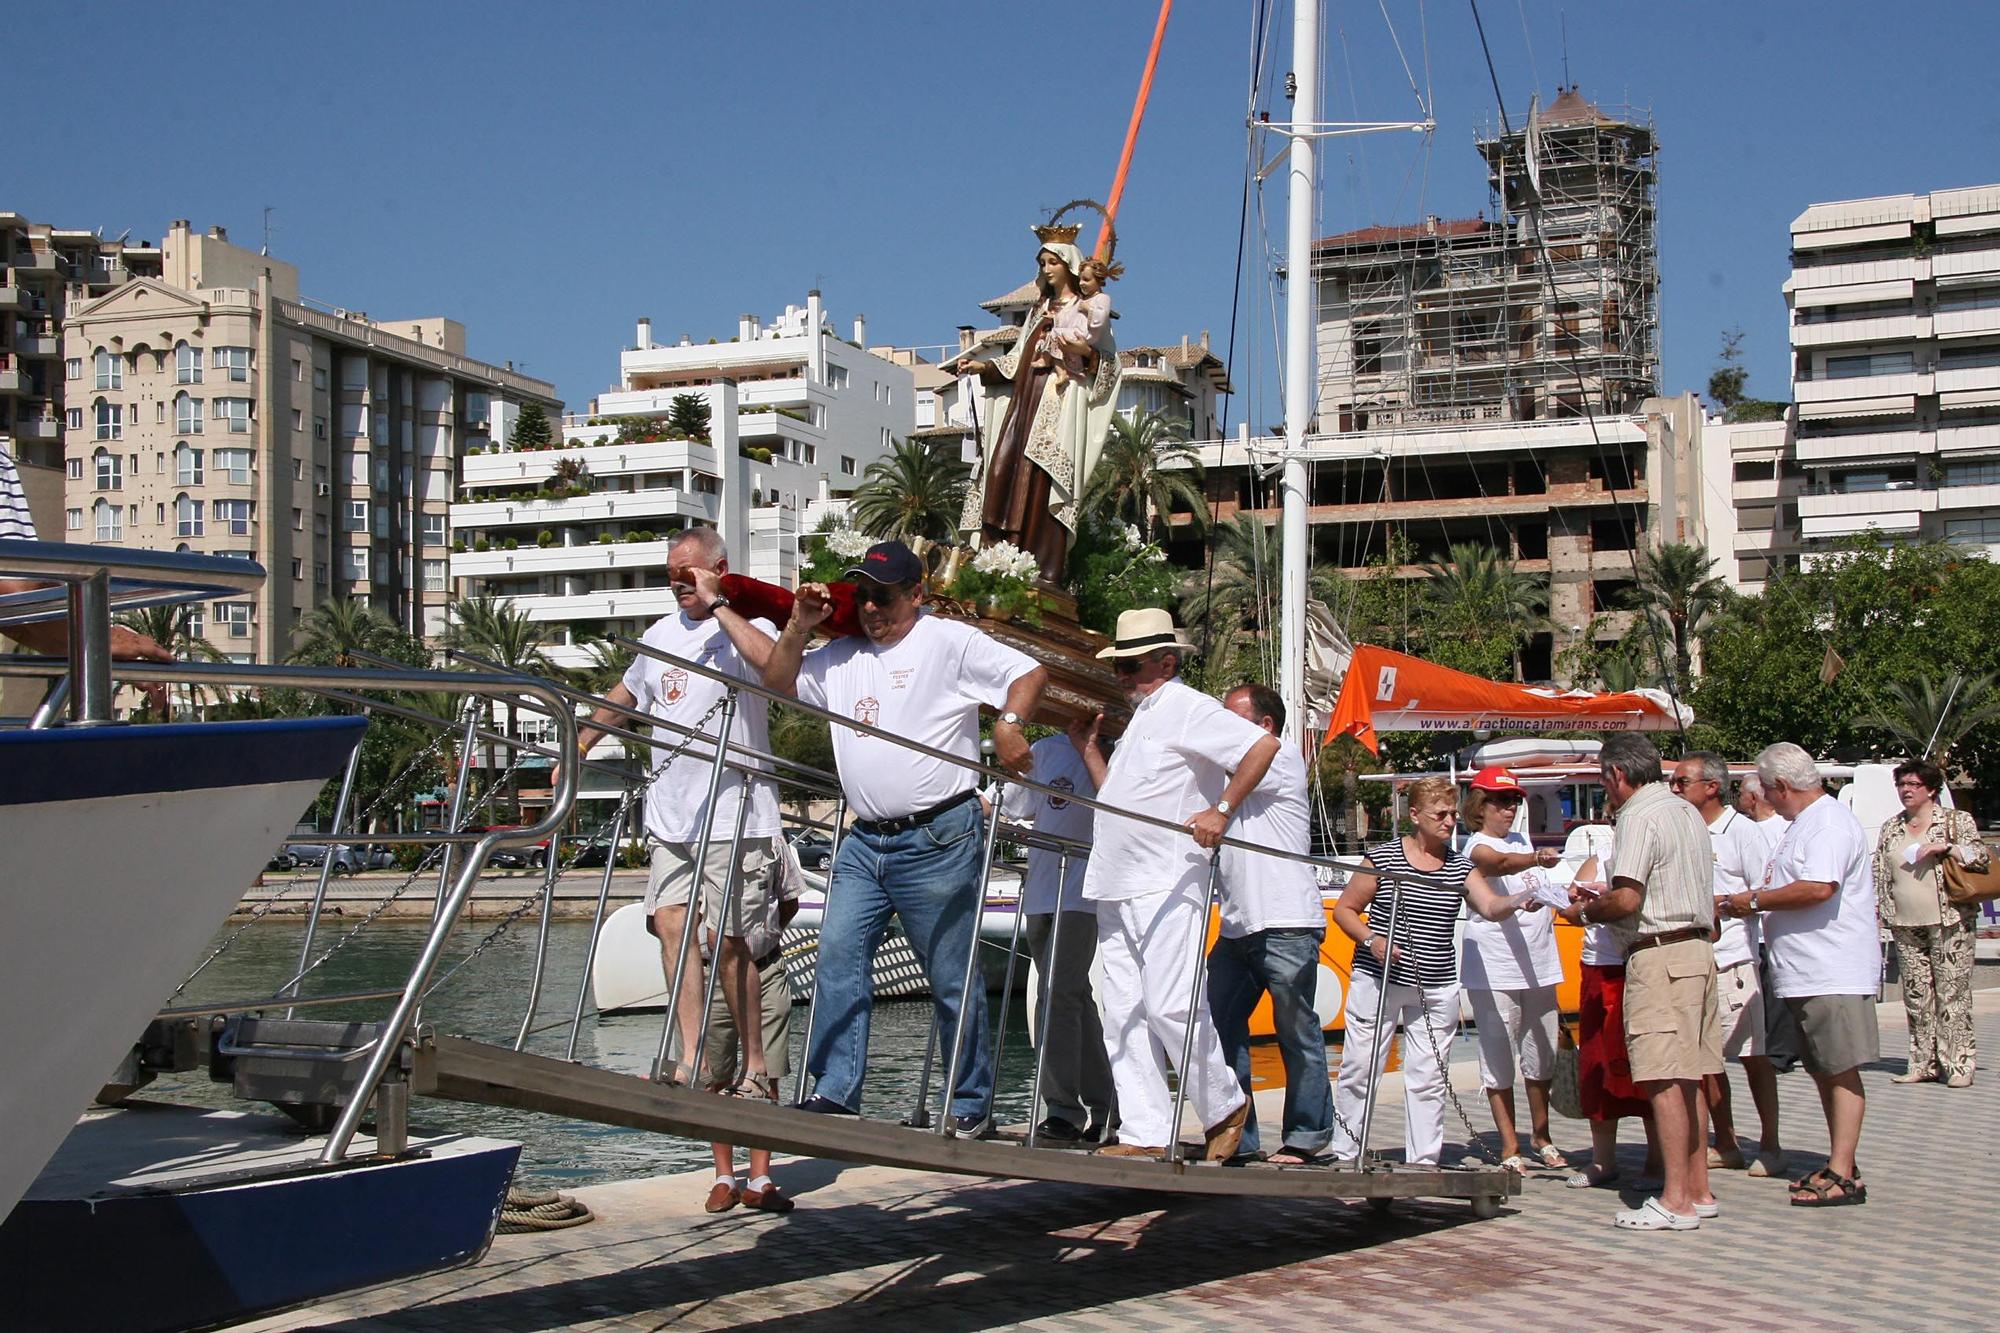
(1966, 263)
(34, 261)
(41, 429)
(597, 507)
(607, 604)
(527, 560)
(1882, 328)
(1847, 275)
(38, 344)
(1967, 378)
(1968, 497)
(10, 379)
(11, 296)
(1905, 384)
(1967, 323)
(603, 460)
(1910, 499)
(1883, 444)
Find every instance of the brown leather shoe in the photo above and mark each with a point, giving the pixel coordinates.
(1130, 1150)
(722, 1196)
(771, 1200)
(1226, 1134)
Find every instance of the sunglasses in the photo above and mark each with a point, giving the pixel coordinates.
(877, 594)
(1127, 666)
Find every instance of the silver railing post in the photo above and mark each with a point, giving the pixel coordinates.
(1007, 991)
(553, 865)
(52, 705)
(920, 1111)
(1175, 1152)
(90, 650)
(1379, 1057)
(694, 890)
(962, 1026)
(597, 920)
(291, 987)
(1047, 989)
(825, 905)
(731, 880)
(466, 742)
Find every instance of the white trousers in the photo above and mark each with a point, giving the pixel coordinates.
(1364, 1051)
(1149, 949)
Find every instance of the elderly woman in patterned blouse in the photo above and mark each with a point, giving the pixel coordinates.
(1933, 937)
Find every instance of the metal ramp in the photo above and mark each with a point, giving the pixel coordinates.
(470, 1071)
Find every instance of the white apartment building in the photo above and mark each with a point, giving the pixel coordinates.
(210, 408)
(1751, 485)
(1895, 334)
(796, 415)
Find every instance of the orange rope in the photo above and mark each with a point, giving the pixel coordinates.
(1132, 130)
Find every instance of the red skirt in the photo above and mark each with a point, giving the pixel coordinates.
(1603, 1073)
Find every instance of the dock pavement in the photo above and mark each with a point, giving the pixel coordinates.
(874, 1247)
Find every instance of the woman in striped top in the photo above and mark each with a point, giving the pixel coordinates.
(1422, 963)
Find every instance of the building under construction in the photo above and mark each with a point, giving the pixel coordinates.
(1466, 321)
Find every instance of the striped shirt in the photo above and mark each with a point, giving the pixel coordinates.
(15, 520)
(1663, 843)
(1426, 920)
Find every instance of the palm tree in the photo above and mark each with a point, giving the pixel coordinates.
(492, 628)
(913, 492)
(1147, 470)
(1927, 717)
(172, 627)
(335, 628)
(1678, 592)
(1242, 577)
(1476, 584)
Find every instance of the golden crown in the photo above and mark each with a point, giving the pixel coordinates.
(1050, 233)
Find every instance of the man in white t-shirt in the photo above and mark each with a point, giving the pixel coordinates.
(1818, 894)
(1272, 923)
(914, 848)
(706, 630)
(1061, 929)
(1701, 779)
(1781, 1030)
(1184, 758)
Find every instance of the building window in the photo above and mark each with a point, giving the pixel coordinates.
(159, 414)
(319, 572)
(187, 415)
(233, 516)
(187, 516)
(1878, 363)
(74, 467)
(110, 421)
(187, 363)
(811, 452)
(73, 418)
(235, 411)
(160, 514)
(298, 371)
(836, 376)
(354, 564)
(298, 420)
(298, 565)
(319, 378)
(1986, 472)
(846, 466)
(234, 464)
(319, 428)
(355, 519)
(1973, 531)
(433, 529)
(73, 520)
(110, 521)
(110, 370)
(233, 618)
(73, 368)
(433, 576)
(187, 465)
(110, 471)
(233, 363)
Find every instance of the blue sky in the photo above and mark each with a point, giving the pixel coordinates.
(547, 173)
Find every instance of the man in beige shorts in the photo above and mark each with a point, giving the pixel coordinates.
(1661, 906)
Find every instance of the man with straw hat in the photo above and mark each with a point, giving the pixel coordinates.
(1184, 758)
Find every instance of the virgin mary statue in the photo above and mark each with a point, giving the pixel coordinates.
(1045, 406)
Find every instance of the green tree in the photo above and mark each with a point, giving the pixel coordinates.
(494, 629)
(1147, 472)
(1678, 593)
(172, 627)
(1928, 717)
(531, 428)
(1110, 572)
(570, 474)
(914, 491)
(342, 625)
(1726, 381)
(1478, 611)
(688, 416)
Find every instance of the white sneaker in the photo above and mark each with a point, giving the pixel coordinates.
(1652, 1215)
(1708, 1212)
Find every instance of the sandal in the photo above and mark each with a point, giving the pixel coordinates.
(1816, 1191)
(1517, 1164)
(756, 1087)
(1291, 1157)
(675, 1074)
(1552, 1157)
(1593, 1177)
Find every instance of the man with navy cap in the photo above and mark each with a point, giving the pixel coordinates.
(914, 848)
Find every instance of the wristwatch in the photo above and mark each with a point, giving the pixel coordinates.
(1753, 900)
(1011, 717)
(719, 601)
(1223, 807)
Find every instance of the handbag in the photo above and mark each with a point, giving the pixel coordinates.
(1565, 1094)
(1965, 886)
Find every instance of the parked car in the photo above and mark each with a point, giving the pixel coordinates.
(581, 852)
(348, 858)
(283, 860)
(532, 857)
(815, 850)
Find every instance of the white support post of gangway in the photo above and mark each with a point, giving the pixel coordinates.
(1301, 388)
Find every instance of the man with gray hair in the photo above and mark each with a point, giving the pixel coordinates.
(1781, 1031)
(1818, 897)
(1661, 906)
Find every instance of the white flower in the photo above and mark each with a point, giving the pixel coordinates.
(1006, 560)
(1133, 538)
(847, 543)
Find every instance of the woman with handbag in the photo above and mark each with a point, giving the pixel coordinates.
(1932, 934)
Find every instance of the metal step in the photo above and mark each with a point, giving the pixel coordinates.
(470, 1071)
(305, 1067)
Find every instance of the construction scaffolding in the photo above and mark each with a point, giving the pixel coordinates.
(1463, 321)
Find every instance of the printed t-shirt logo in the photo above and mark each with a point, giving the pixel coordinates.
(868, 711)
(1060, 784)
(673, 684)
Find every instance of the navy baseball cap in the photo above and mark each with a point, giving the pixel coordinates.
(887, 563)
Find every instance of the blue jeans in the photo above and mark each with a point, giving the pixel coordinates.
(1284, 962)
(930, 878)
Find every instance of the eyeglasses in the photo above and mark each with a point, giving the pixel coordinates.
(878, 594)
(1127, 666)
(1678, 783)
(1914, 784)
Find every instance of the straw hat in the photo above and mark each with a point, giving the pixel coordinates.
(1141, 631)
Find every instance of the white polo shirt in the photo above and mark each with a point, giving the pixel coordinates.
(677, 799)
(1520, 952)
(927, 686)
(1172, 763)
(1059, 765)
(1740, 856)
(1830, 948)
(1269, 892)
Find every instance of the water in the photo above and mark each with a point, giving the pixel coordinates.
(484, 1001)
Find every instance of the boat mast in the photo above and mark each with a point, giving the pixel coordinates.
(1301, 383)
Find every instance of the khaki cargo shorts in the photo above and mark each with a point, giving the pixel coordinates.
(1672, 1028)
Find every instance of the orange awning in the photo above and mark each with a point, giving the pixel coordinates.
(1385, 691)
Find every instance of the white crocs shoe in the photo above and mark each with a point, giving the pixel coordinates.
(1652, 1215)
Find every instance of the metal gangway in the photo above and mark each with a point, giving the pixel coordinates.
(336, 1075)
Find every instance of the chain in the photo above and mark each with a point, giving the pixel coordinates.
(1473, 1140)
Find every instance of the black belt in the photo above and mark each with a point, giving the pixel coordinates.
(1667, 937)
(917, 820)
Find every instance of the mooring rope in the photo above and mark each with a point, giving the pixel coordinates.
(541, 1210)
